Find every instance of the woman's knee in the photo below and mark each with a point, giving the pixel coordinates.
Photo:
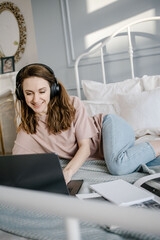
(117, 169)
(119, 165)
(114, 168)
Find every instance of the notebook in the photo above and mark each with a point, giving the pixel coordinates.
(122, 193)
(40, 172)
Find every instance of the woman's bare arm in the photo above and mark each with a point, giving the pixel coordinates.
(77, 161)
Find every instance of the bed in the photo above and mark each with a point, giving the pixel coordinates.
(49, 216)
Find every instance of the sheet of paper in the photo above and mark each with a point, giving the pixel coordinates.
(88, 195)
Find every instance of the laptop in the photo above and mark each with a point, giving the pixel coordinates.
(40, 172)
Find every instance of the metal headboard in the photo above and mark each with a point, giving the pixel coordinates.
(103, 43)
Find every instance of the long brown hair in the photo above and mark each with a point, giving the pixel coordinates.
(60, 112)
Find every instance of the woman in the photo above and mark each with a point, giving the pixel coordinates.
(53, 121)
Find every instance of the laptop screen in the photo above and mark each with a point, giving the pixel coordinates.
(40, 172)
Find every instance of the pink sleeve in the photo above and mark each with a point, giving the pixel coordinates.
(84, 125)
(25, 144)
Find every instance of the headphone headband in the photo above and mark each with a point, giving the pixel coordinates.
(54, 89)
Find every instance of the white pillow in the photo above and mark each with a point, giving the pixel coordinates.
(97, 91)
(143, 132)
(140, 110)
(5, 93)
(94, 108)
(150, 82)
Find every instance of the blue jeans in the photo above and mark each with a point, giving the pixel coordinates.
(121, 154)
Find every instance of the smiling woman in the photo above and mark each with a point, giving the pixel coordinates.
(53, 121)
(13, 31)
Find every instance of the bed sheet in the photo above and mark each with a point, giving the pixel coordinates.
(37, 225)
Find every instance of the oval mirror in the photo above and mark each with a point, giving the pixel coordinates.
(9, 37)
(13, 31)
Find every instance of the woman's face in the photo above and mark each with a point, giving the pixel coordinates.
(37, 94)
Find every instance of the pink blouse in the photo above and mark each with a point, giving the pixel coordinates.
(65, 143)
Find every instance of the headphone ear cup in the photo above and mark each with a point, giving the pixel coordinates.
(19, 93)
(54, 89)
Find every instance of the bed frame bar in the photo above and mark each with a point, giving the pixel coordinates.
(101, 44)
(73, 210)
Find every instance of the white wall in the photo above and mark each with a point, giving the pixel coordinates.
(50, 38)
(65, 28)
(59, 30)
(30, 54)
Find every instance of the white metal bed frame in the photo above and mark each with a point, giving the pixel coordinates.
(102, 44)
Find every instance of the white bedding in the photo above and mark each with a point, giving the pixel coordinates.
(136, 100)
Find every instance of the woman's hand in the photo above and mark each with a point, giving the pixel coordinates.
(79, 158)
(67, 175)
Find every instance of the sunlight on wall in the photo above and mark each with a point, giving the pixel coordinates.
(91, 38)
(95, 5)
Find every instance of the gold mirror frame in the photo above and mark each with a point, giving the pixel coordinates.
(21, 25)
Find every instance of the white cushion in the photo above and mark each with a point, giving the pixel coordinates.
(5, 93)
(140, 110)
(150, 82)
(97, 91)
(94, 108)
(143, 132)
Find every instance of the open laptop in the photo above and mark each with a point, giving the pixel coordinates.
(40, 172)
